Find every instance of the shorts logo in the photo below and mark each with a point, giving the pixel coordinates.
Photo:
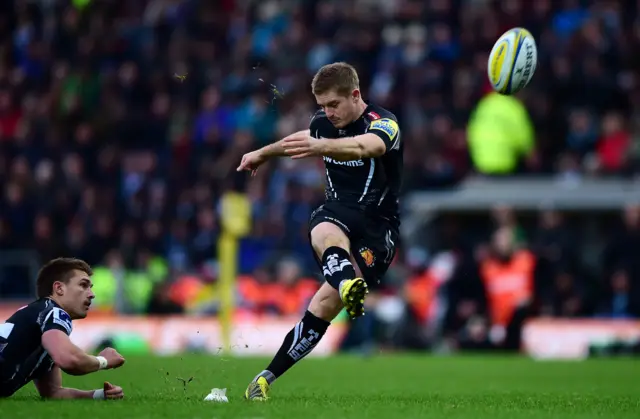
(368, 256)
(388, 126)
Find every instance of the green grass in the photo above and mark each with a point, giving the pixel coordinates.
(386, 387)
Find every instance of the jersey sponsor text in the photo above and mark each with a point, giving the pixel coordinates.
(350, 163)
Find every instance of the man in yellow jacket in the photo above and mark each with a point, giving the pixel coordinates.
(500, 134)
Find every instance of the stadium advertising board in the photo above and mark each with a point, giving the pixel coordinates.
(572, 339)
(175, 335)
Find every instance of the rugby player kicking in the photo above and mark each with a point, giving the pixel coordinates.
(358, 223)
(35, 344)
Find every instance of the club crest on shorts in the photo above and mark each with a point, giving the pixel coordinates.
(368, 256)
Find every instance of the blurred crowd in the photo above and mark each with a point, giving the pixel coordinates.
(122, 123)
(483, 276)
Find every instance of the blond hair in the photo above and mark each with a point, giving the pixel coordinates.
(341, 77)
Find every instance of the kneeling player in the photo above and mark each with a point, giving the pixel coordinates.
(35, 344)
(362, 152)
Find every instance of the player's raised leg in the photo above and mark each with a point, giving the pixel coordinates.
(331, 246)
(341, 289)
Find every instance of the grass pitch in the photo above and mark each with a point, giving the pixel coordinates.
(407, 386)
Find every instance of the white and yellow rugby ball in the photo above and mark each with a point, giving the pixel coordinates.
(512, 61)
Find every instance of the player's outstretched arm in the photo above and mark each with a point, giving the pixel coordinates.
(382, 135)
(363, 146)
(251, 161)
(50, 387)
(73, 360)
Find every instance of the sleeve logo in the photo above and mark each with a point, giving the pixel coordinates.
(5, 330)
(62, 318)
(388, 126)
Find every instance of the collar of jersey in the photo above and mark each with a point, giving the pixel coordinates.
(366, 110)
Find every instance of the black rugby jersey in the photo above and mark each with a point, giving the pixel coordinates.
(371, 183)
(22, 357)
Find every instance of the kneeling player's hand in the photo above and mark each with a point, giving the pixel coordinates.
(112, 392)
(114, 359)
(300, 145)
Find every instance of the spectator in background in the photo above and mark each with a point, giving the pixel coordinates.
(161, 303)
(285, 292)
(554, 246)
(622, 268)
(582, 132)
(425, 295)
(476, 335)
(505, 217)
(614, 146)
(507, 275)
(420, 294)
(621, 298)
(565, 298)
(500, 134)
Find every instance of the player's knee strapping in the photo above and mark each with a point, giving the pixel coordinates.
(336, 266)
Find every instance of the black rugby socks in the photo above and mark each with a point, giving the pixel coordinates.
(298, 343)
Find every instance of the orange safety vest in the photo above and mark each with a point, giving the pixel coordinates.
(185, 290)
(250, 291)
(292, 299)
(507, 284)
(420, 292)
(288, 300)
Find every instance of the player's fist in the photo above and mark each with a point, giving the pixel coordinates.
(112, 392)
(251, 161)
(114, 359)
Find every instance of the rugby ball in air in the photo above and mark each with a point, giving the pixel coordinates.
(512, 61)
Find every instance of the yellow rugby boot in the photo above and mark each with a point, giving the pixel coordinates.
(258, 390)
(352, 293)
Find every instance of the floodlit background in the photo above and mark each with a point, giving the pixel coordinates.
(122, 123)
